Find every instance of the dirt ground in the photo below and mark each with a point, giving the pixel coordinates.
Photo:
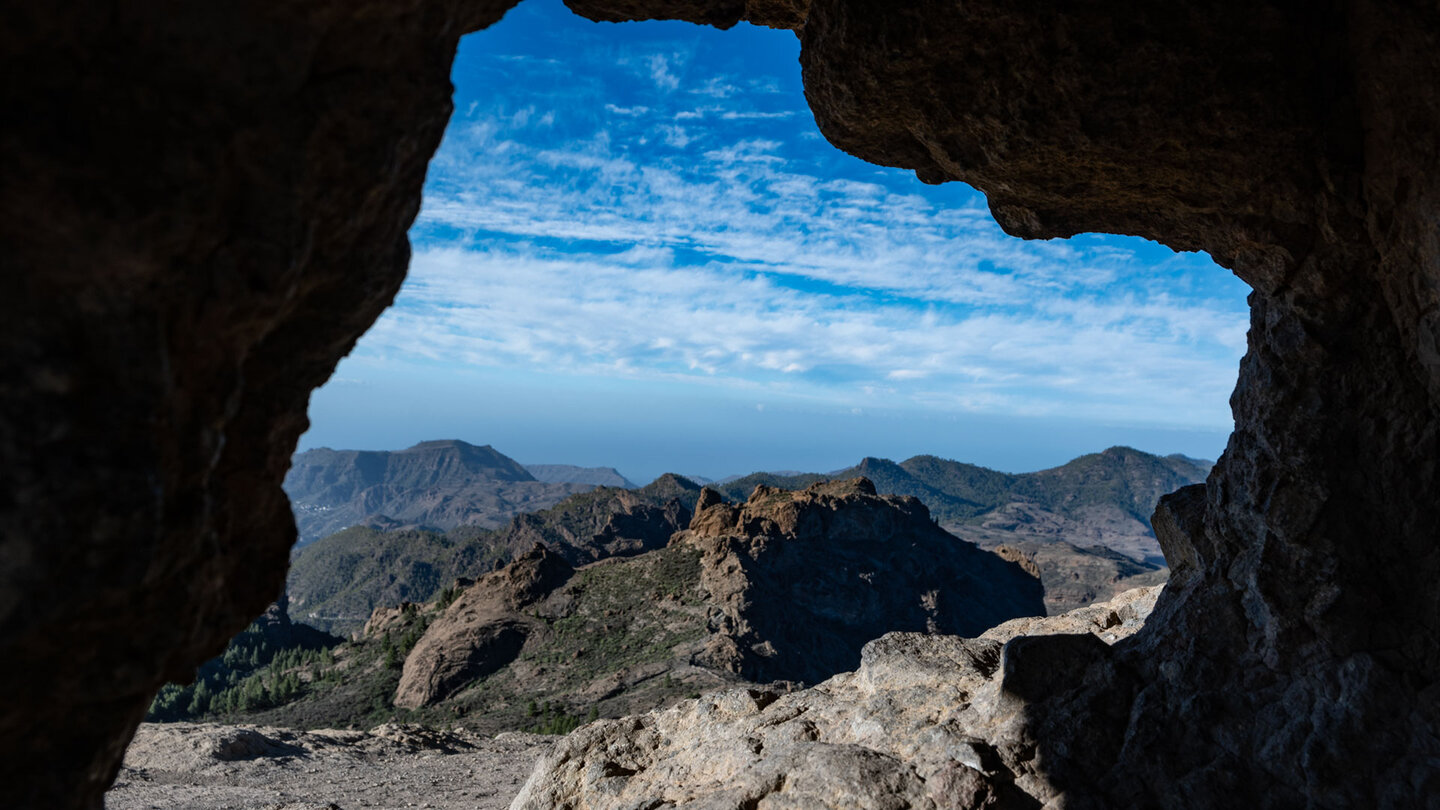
(187, 766)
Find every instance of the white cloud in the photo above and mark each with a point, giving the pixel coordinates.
(675, 136)
(636, 314)
(716, 87)
(618, 110)
(659, 66)
(752, 115)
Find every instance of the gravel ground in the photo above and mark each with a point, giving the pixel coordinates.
(180, 766)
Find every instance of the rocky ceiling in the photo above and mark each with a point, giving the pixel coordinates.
(203, 205)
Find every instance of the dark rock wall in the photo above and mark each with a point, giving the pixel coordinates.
(203, 205)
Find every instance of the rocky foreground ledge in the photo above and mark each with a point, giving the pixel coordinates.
(925, 722)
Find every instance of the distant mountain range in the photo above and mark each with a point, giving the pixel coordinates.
(415, 520)
(640, 595)
(435, 484)
(1097, 499)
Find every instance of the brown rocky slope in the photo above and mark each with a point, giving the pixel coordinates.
(336, 582)
(249, 767)
(1074, 577)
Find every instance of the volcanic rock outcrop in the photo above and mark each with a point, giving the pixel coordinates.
(801, 580)
(205, 204)
(1098, 499)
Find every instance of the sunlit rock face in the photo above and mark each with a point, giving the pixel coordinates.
(205, 204)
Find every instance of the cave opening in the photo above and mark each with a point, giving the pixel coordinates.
(638, 233)
(207, 205)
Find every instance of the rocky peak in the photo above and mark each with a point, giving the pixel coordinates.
(801, 579)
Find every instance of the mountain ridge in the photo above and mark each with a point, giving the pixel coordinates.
(1100, 498)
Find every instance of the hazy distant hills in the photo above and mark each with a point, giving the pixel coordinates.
(1098, 499)
(570, 474)
(438, 484)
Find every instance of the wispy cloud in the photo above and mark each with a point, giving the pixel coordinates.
(618, 110)
(721, 245)
(660, 70)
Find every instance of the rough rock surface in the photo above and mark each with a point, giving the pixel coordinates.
(204, 206)
(925, 722)
(1297, 145)
(206, 203)
(801, 580)
(184, 766)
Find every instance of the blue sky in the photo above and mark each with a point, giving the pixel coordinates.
(636, 250)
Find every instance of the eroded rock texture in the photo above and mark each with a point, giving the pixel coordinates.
(482, 631)
(203, 205)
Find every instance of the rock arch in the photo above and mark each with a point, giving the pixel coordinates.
(204, 205)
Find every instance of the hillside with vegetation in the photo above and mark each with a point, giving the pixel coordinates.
(571, 474)
(270, 663)
(336, 582)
